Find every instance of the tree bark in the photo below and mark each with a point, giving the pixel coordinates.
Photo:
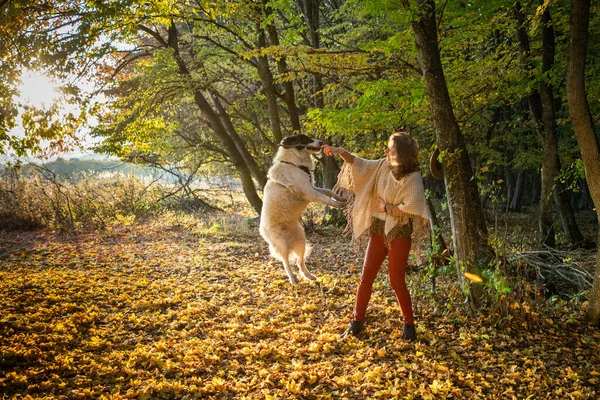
(236, 158)
(266, 78)
(469, 230)
(552, 161)
(217, 126)
(541, 107)
(517, 196)
(259, 175)
(289, 96)
(583, 126)
(310, 9)
(550, 164)
(534, 100)
(567, 216)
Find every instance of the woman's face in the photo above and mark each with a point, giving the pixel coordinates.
(390, 152)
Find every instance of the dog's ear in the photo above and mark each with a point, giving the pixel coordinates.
(296, 141)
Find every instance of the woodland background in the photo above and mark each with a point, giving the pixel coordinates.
(153, 282)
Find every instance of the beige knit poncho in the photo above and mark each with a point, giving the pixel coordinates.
(368, 180)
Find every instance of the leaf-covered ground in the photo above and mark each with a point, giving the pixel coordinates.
(158, 310)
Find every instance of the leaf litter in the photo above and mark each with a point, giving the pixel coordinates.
(144, 312)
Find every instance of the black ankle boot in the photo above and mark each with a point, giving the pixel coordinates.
(409, 333)
(355, 328)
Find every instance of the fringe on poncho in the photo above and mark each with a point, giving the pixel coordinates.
(364, 181)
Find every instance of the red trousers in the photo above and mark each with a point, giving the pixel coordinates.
(398, 258)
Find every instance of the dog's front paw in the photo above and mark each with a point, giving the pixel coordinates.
(339, 204)
(293, 279)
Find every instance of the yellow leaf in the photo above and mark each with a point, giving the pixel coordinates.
(314, 347)
(473, 278)
(381, 352)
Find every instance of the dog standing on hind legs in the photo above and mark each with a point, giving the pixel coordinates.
(288, 191)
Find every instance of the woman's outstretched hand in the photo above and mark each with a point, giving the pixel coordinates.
(330, 150)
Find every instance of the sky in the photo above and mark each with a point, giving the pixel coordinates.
(37, 89)
(41, 91)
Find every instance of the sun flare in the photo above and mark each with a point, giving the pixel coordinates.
(37, 89)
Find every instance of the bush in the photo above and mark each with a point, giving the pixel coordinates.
(64, 205)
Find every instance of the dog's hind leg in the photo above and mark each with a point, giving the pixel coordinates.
(288, 271)
(300, 251)
(304, 271)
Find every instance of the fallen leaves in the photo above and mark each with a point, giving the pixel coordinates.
(147, 312)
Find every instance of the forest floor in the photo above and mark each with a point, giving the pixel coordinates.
(163, 309)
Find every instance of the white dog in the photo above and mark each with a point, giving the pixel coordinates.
(288, 191)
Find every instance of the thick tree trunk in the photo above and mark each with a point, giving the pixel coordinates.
(550, 164)
(236, 158)
(583, 126)
(539, 116)
(289, 96)
(567, 216)
(310, 9)
(266, 78)
(469, 229)
(259, 175)
(217, 127)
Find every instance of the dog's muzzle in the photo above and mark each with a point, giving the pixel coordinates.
(315, 146)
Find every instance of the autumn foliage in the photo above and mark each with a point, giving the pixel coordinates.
(189, 307)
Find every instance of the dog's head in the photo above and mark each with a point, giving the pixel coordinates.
(301, 142)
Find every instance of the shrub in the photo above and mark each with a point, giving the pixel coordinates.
(91, 202)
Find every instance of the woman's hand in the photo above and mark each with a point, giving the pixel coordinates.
(380, 205)
(330, 150)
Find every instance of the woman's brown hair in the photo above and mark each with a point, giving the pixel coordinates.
(407, 154)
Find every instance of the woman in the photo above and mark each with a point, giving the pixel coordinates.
(389, 202)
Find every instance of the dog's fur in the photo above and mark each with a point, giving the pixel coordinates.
(288, 191)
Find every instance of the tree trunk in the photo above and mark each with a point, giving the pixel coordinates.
(469, 230)
(435, 227)
(516, 200)
(236, 158)
(266, 78)
(310, 9)
(583, 126)
(550, 164)
(289, 96)
(217, 127)
(259, 175)
(543, 119)
(567, 216)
